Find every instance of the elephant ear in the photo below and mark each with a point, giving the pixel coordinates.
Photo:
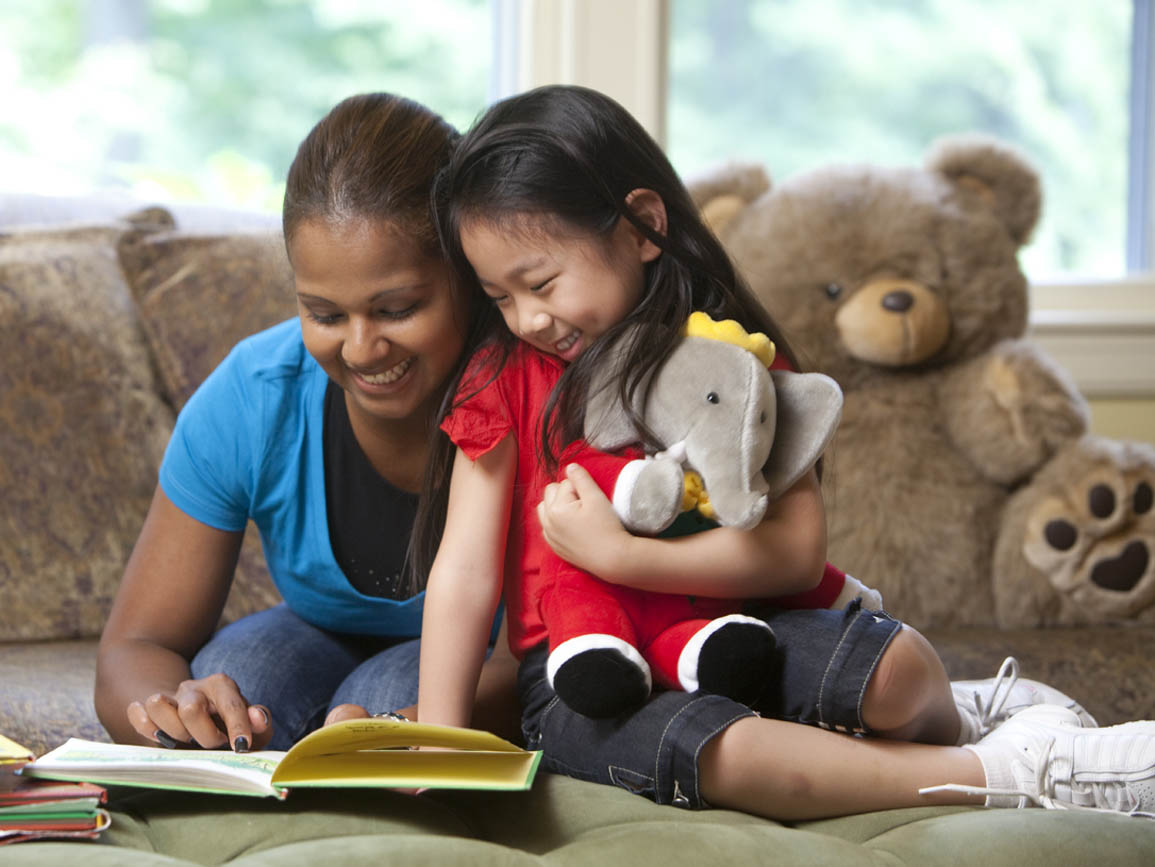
(607, 424)
(809, 409)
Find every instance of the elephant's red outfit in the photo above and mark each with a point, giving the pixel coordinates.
(546, 597)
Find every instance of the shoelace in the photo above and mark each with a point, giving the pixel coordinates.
(1008, 673)
(1046, 791)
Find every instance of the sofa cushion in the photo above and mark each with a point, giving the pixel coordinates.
(84, 428)
(198, 294)
(41, 717)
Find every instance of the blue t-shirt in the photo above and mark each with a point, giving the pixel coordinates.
(249, 444)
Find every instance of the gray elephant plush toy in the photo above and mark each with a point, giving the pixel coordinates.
(735, 435)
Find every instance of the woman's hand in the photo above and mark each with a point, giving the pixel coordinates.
(209, 713)
(580, 524)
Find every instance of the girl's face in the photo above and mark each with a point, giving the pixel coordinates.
(556, 291)
(379, 315)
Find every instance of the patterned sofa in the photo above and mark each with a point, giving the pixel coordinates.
(109, 317)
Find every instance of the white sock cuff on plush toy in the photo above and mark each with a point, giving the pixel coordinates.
(571, 647)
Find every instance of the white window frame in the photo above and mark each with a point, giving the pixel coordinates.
(1102, 332)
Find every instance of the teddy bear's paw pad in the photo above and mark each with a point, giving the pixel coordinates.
(601, 682)
(1097, 543)
(737, 661)
(1123, 572)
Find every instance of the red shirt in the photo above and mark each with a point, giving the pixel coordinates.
(512, 403)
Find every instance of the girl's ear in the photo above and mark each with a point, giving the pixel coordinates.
(648, 207)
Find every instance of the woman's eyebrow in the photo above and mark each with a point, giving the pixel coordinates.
(378, 296)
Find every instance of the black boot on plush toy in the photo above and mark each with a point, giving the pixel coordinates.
(600, 681)
(733, 656)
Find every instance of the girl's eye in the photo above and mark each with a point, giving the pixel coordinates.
(498, 300)
(540, 286)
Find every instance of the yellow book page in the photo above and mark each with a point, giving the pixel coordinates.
(373, 752)
(12, 753)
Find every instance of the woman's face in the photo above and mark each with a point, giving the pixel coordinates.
(378, 313)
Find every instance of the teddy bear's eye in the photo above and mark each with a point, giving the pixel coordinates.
(833, 290)
(712, 397)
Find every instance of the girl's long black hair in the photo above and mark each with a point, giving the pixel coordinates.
(565, 158)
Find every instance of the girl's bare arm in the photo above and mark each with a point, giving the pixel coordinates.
(465, 584)
(784, 554)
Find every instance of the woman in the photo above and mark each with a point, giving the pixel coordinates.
(318, 430)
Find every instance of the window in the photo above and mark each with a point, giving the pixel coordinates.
(801, 83)
(206, 100)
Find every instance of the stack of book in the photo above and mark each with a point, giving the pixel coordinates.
(44, 809)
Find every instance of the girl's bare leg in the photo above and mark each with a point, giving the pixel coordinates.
(909, 697)
(789, 771)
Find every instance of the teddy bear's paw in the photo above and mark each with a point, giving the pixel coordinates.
(599, 675)
(1036, 409)
(732, 656)
(1094, 540)
(648, 495)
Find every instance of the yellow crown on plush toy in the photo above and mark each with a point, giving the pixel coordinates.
(728, 331)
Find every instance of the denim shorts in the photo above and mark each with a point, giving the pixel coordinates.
(300, 672)
(825, 661)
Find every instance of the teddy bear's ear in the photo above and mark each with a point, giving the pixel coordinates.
(723, 192)
(996, 174)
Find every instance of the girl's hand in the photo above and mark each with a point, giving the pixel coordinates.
(579, 523)
(209, 713)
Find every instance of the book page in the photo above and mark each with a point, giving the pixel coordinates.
(220, 771)
(373, 752)
(12, 753)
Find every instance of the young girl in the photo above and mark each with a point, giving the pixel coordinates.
(573, 223)
(318, 431)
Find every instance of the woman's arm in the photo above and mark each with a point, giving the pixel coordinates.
(784, 554)
(168, 604)
(465, 584)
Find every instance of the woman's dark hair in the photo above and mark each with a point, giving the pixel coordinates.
(569, 156)
(375, 156)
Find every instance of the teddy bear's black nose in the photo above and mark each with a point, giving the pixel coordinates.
(898, 301)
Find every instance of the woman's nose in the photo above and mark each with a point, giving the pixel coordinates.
(365, 343)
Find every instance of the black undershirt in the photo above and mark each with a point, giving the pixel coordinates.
(370, 520)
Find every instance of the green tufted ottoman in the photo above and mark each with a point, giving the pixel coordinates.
(568, 822)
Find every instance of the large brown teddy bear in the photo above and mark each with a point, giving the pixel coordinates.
(962, 483)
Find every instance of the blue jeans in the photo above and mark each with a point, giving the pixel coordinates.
(300, 672)
(825, 661)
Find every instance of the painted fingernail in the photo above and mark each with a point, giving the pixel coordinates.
(164, 739)
(241, 744)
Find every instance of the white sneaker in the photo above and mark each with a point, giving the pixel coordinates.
(984, 705)
(1043, 757)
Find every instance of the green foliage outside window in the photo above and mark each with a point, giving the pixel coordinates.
(206, 100)
(802, 83)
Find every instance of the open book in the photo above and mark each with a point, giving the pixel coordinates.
(363, 752)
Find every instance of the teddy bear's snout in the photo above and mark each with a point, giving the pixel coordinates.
(893, 322)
